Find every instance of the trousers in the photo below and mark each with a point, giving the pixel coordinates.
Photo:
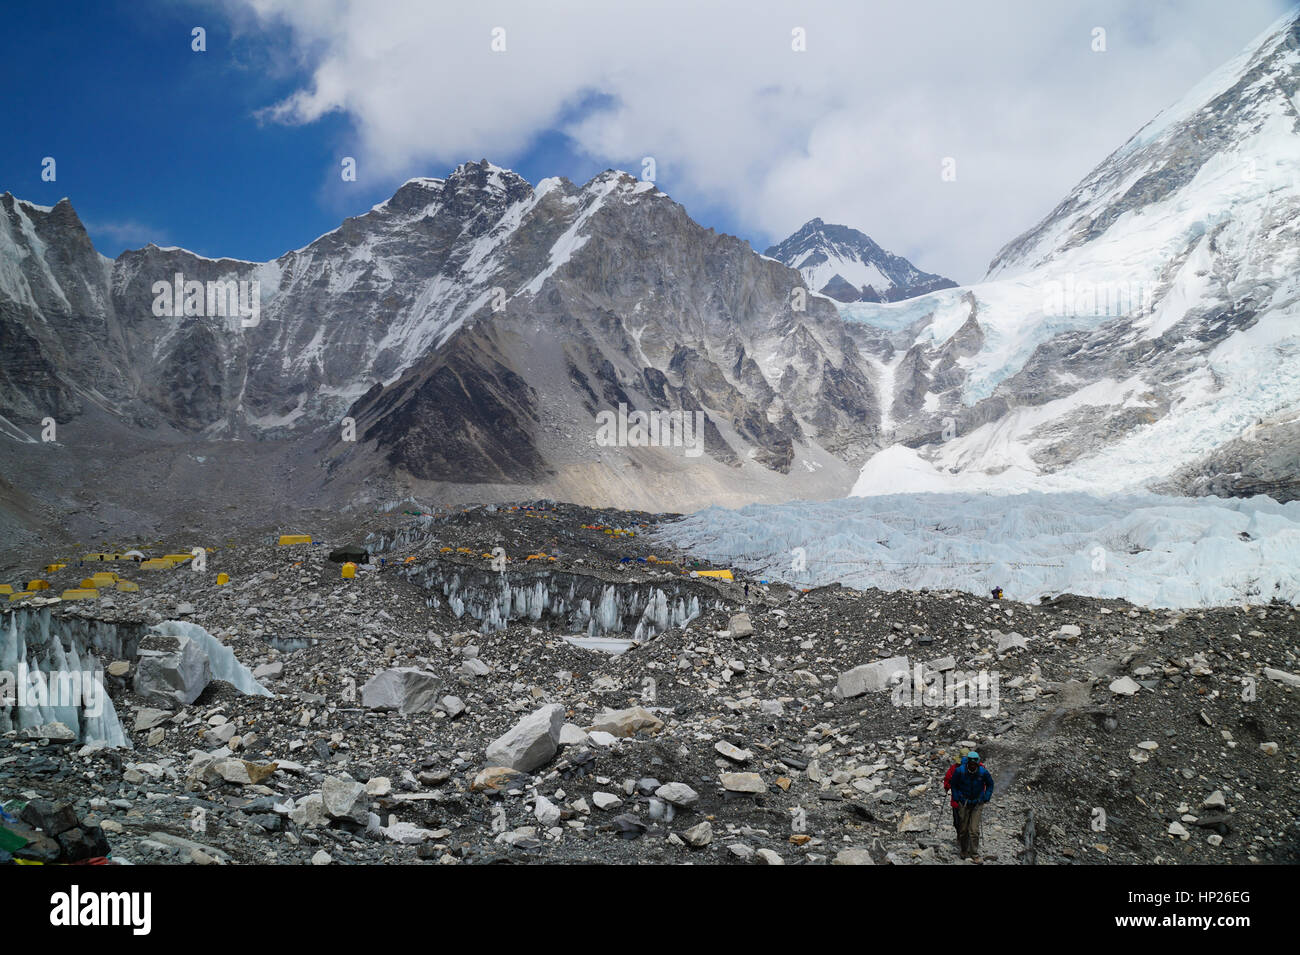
(968, 828)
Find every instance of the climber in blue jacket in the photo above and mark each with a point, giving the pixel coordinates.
(972, 787)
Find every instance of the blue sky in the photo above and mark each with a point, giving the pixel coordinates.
(156, 142)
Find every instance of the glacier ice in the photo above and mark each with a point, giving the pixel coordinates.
(53, 662)
(225, 666)
(1149, 549)
(581, 602)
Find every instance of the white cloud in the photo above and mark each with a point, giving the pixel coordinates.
(126, 234)
(853, 130)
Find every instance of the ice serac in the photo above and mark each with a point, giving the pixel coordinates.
(1142, 336)
(576, 601)
(1149, 549)
(56, 668)
(171, 670)
(224, 665)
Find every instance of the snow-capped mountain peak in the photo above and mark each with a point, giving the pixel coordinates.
(848, 266)
(1143, 335)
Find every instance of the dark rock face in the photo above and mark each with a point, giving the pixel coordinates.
(456, 323)
(461, 415)
(1264, 461)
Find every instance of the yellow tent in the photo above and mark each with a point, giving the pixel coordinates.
(80, 593)
(287, 539)
(719, 574)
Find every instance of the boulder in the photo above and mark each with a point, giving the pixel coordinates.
(627, 722)
(918, 823)
(531, 743)
(343, 798)
(699, 836)
(147, 718)
(497, 779)
(547, 813)
(872, 677)
(232, 770)
(1011, 641)
(219, 735)
(405, 689)
(571, 735)
(171, 670)
(473, 667)
(55, 732)
(453, 706)
(628, 825)
(406, 833)
(83, 842)
(732, 752)
(47, 816)
(309, 812)
(1125, 686)
(679, 794)
(1281, 676)
(740, 625)
(853, 857)
(742, 782)
(258, 772)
